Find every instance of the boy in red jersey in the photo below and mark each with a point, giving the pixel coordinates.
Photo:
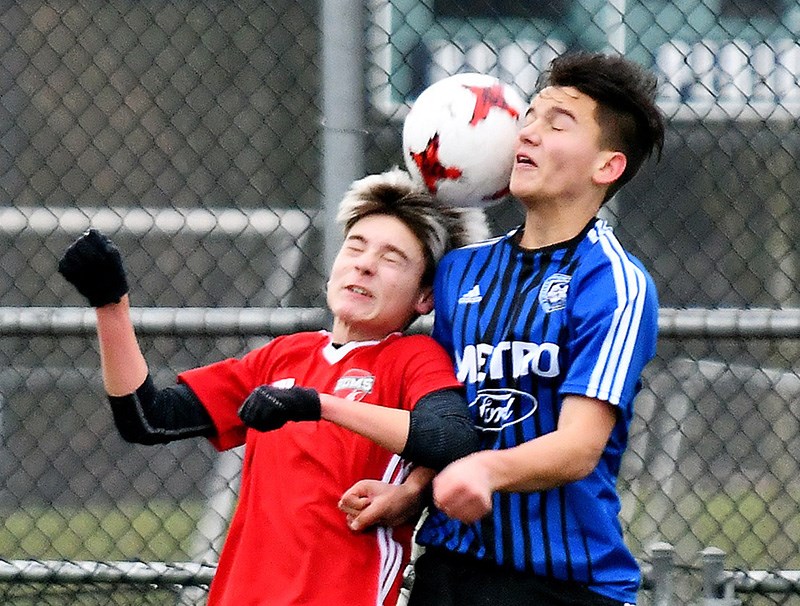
(316, 411)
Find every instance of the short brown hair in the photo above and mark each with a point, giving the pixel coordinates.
(438, 227)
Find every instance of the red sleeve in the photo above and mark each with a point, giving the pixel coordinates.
(425, 367)
(222, 388)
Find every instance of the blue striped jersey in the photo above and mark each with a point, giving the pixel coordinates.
(525, 328)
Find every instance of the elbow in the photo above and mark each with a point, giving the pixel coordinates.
(582, 465)
(137, 435)
(470, 443)
(432, 459)
(130, 426)
(438, 449)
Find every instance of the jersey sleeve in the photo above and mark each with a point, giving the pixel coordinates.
(613, 328)
(222, 388)
(421, 366)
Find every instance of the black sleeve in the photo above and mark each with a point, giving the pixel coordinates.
(441, 430)
(152, 416)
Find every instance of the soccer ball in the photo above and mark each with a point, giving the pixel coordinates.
(459, 138)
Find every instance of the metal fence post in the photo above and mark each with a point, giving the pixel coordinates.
(718, 586)
(662, 558)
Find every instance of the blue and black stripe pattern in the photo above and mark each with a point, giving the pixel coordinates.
(525, 328)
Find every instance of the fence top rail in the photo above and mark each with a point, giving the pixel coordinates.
(189, 321)
(198, 574)
(130, 573)
(766, 581)
(78, 321)
(729, 323)
(15, 220)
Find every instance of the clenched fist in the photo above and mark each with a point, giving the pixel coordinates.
(268, 407)
(93, 265)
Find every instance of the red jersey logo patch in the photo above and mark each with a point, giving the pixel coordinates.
(354, 385)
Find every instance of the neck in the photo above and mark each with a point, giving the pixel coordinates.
(342, 333)
(551, 223)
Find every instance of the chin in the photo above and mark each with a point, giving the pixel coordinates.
(516, 186)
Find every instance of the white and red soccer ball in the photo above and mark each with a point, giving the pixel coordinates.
(459, 138)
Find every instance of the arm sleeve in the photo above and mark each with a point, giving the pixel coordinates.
(613, 332)
(152, 416)
(441, 430)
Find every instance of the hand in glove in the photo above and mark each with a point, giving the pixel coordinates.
(94, 266)
(268, 407)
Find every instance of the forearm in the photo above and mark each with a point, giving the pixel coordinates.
(568, 454)
(437, 432)
(541, 464)
(93, 265)
(419, 480)
(463, 490)
(123, 364)
(387, 427)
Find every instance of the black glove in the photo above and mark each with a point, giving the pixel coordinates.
(94, 266)
(268, 407)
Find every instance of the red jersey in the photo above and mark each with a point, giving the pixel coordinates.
(288, 543)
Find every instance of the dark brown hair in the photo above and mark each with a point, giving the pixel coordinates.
(625, 92)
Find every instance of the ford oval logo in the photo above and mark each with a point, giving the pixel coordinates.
(499, 408)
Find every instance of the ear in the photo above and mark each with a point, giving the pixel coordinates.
(424, 304)
(611, 166)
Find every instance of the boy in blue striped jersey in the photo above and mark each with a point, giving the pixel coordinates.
(549, 327)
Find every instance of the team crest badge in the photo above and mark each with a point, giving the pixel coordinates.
(553, 294)
(354, 385)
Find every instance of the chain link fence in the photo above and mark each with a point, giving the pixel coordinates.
(192, 133)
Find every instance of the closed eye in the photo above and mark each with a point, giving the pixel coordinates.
(354, 244)
(393, 257)
(353, 249)
(560, 119)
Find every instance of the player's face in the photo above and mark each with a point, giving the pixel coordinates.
(374, 287)
(558, 150)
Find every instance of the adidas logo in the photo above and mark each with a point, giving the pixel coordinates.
(471, 296)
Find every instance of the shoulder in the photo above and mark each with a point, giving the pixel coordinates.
(472, 255)
(471, 250)
(606, 253)
(311, 337)
(402, 349)
(294, 341)
(608, 277)
(411, 343)
(298, 339)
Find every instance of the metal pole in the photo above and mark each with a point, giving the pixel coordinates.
(662, 557)
(713, 560)
(343, 51)
(718, 585)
